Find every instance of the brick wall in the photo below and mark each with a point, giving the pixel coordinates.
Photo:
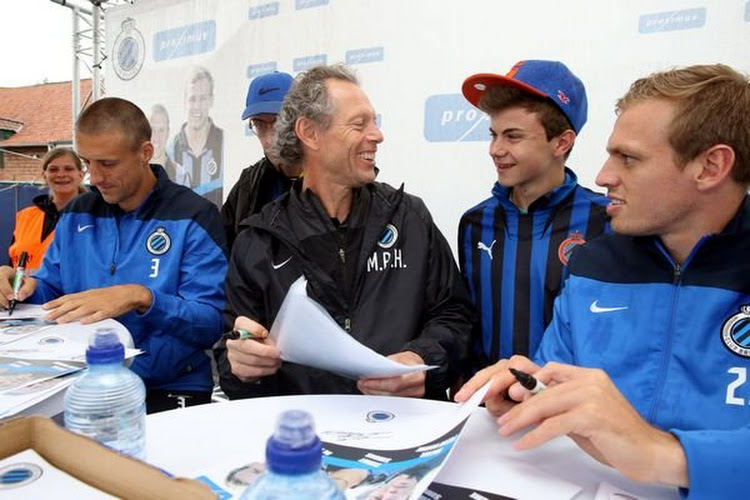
(21, 168)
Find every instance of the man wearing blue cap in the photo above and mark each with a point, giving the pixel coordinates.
(514, 245)
(267, 179)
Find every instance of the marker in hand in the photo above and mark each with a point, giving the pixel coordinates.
(18, 281)
(242, 334)
(527, 381)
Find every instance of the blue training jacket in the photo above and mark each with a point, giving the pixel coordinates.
(174, 245)
(674, 339)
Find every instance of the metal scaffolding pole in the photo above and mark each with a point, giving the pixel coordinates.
(75, 87)
(88, 48)
(97, 44)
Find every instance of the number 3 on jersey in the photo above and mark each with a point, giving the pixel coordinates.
(154, 268)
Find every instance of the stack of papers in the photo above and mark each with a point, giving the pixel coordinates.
(39, 358)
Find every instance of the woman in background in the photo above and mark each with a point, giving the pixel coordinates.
(35, 225)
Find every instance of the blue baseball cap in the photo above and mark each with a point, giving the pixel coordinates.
(266, 93)
(551, 79)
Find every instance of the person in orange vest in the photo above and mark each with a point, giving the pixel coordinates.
(62, 171)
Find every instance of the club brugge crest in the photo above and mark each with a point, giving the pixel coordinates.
(379, 416)
(18, 475)
(567, 246)
(158, 242)
(213, 167)
(388, 237)
(128, 51)
(736, 332)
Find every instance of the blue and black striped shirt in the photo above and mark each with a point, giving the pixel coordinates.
(513, 262)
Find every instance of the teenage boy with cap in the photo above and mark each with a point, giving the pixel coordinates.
(647, 355)
(267, 179)
(513, 246)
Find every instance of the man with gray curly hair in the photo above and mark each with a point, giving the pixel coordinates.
(371, 254)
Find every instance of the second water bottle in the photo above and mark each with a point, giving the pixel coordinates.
(293, 457)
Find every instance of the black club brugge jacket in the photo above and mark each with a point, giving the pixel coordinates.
(389, 280)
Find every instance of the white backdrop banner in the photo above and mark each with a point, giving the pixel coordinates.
(412, 57)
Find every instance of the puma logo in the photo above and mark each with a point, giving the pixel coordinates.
(488, 249)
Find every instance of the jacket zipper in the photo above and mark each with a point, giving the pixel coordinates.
(112, 265)
(676, 284)
(678, 270)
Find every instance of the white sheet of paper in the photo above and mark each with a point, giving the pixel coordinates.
(608, 491)
(497, 468)
(18, 373)
(22, 398)
(24, 311)
(42, 478)
(64, 342)
(26, 320)
(306, 334)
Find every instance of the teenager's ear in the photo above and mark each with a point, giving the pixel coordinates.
(564, 142)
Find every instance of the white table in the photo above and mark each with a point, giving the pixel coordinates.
(190, 441)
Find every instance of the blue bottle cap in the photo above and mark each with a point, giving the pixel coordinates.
(294, 447)
(104, 347)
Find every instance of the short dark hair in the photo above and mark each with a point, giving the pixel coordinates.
(113, 114)
(501, 97)
(197, 73)
(159, 109)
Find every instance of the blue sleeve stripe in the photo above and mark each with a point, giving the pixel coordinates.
(538, 272)
(485, 275)
(508, 287)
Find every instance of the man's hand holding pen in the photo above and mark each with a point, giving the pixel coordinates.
(251, 352)
(7, 292)
(585, 405)
(505, 391)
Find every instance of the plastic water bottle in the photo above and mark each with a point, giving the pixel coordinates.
(293, 456)
(108, 402)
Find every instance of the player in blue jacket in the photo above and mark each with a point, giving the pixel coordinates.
(647, 356)
(141, 249)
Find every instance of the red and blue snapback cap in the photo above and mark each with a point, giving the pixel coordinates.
(550, 79)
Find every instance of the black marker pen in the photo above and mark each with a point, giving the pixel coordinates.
(18, 281)
(242, 334)
(527, 381)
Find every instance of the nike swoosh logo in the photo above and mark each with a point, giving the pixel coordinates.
(83, 228)
(266, 91)
(594, 308)
(280, 265)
